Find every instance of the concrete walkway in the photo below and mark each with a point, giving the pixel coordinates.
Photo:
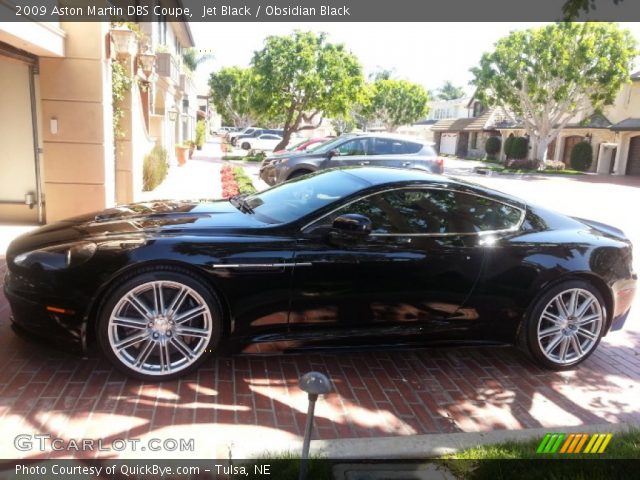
(199, 178)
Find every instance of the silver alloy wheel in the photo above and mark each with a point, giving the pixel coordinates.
(160, 327)
(570, 326)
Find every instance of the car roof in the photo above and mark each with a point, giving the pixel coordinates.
(391, 136)
(382, 175)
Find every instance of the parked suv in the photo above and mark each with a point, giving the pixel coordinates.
(382, 150)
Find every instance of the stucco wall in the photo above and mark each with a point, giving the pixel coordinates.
(76, 90)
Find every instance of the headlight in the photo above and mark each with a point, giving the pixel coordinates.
(58, 257)
(279, 160)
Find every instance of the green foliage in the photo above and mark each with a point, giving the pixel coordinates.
(519, 148)
(302, 77)
(192, 58)
(343, 124)
(245, 185)
(508, 145)
(201, 131)
(396, 102)
(573, 8)
(492, 146)
(449, 91)
(120, 85)
(546, 76)
(581, 156)
(233, 93)
(154, 168)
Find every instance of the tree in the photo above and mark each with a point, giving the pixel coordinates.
(301, 78)
(192, 59)
(572, 8)
(232, 93)
(450, 92)
(547, 76)
(397, 102)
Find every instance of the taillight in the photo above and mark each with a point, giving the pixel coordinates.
(440, 162)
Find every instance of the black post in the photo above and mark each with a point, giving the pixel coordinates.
(315, 384)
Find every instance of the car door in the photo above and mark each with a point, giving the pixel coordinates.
(392, 152)
(352, 153)
(412, 277)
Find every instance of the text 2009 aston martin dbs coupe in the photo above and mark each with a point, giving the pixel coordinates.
(347, 257)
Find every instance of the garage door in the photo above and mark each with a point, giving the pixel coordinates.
(448, 143)
(633, 161)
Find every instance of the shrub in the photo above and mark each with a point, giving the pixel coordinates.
(154, 168)
(492, 146)
(245, 185)
(520, 148)
(200, 133)
(581, 156)
(554, 165)
(508, 146)
(522, 164)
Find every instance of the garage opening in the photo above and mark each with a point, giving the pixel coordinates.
(19, 178)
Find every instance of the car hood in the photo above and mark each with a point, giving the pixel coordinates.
(152, 218)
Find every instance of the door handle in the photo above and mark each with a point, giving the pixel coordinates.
(406, 164)
(366, 162)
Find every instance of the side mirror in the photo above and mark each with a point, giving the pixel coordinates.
(334, 153)
(352, 225)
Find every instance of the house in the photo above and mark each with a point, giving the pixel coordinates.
(465, 137)
(59, 153)
(613, 134)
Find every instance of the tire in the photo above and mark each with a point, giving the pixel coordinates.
(298, 173)
(246, 146)
(160, 324)
(565, 325)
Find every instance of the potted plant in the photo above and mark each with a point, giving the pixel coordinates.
(181, 153)
(200, 134)
(192, 146)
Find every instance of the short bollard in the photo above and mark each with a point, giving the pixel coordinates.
(314, 383)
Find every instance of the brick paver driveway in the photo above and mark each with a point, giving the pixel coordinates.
(254, 400)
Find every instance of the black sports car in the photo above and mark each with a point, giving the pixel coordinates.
(350, 257)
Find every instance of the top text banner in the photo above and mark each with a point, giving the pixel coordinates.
(319, 10)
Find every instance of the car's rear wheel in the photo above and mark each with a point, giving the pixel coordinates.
(159, 325)
(566, 324)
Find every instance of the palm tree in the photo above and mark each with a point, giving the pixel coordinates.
(192, 58)
(450, 92)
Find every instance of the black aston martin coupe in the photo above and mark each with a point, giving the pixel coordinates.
(341, 258)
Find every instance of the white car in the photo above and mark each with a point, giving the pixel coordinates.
(266, 141)
(231, 136)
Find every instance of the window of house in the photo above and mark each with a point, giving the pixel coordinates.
(474, 140)
(433, 211)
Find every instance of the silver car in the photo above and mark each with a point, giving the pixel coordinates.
(373, 149)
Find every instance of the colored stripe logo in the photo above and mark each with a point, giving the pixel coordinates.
(574, 443)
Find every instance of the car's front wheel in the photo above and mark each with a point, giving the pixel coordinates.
(566, 324)
(159, 325)
(246, 146)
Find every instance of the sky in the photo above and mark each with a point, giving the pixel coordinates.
(424, 53)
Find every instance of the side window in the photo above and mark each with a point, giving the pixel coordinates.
(389, 146)
(433, 211)
(411, 147)
(357, 146)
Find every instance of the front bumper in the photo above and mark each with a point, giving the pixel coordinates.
(58, 320)
(269, 174)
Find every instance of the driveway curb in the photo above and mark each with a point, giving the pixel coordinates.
(433, 445)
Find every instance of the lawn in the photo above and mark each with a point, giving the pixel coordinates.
(567, 171)
(487, 461)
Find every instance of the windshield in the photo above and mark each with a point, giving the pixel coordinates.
(331, 144)
(296, 198)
